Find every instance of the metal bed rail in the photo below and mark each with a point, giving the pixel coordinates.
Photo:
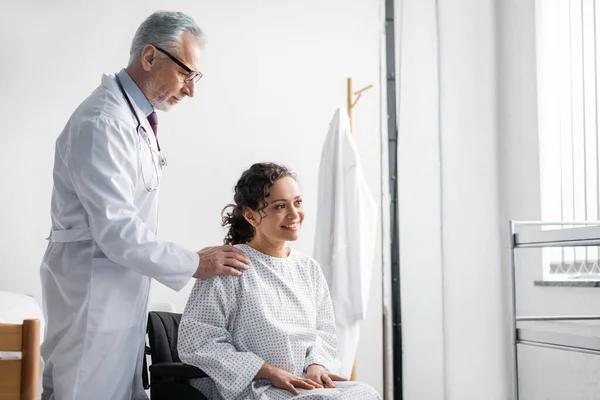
(577, 233)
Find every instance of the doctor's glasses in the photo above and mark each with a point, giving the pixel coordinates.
(192, 75)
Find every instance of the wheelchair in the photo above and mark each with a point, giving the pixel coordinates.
(169, 377)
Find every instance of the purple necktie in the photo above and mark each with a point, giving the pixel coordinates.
(153, 120)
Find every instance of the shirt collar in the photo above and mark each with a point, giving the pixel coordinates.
(135, 93)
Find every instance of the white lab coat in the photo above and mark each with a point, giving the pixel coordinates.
(102, 252)
(345, 234)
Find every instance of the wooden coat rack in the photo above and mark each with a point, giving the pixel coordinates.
(351, 101)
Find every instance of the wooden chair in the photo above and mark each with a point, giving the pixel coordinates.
(19, 378)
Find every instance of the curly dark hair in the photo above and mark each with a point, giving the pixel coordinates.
(251, 191)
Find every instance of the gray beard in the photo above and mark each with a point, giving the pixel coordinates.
(158, 103)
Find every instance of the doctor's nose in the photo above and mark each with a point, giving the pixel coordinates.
(188, 88)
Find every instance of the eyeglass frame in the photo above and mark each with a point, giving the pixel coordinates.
(192, 75)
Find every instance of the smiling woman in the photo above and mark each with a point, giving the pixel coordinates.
(268, 333)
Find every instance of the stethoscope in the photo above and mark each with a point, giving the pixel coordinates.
(162, 161)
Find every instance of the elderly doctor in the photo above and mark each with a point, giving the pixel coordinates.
(103, 249)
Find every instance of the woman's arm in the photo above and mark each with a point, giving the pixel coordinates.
(324, 350)
(205, 342)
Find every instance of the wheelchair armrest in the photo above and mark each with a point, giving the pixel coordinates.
(176, 370)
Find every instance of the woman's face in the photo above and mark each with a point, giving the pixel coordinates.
(282, 219)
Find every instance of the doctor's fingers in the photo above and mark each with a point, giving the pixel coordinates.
(228, 271)
(234, 252)
(218, 255)
(236, 261)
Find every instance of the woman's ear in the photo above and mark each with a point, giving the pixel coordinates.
(250, 216)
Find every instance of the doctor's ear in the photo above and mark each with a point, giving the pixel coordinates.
(250, 216)
(148, 57)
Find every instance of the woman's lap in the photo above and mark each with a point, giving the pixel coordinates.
(343, 391)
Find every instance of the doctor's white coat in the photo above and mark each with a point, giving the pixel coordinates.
(345, 234)
(102, 252)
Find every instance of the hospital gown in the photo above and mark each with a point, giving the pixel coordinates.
(280, 312)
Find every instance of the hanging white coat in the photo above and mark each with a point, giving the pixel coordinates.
(103, 250)
(345, 234)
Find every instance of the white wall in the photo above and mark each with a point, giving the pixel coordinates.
(274, 73)
(473, 313)
(452, 299)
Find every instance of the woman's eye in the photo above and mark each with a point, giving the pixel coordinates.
(280, 207)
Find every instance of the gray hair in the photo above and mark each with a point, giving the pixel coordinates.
(164, 29)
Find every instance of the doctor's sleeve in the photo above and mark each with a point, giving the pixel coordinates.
(205, 341)
(102, 159)
(324, 350)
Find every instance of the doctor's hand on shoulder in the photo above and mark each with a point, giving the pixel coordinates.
(221, 260)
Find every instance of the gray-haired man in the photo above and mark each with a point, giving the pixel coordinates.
(103, 249)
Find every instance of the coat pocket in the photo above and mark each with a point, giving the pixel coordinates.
(118, 296)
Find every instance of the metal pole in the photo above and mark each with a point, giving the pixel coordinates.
(560, 318)
(513, 309)
(534, 223)
(560, 347)
(392, 132)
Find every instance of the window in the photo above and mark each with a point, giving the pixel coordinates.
(568, 74)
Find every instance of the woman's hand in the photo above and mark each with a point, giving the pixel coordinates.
(319, 375)
(284, 380)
